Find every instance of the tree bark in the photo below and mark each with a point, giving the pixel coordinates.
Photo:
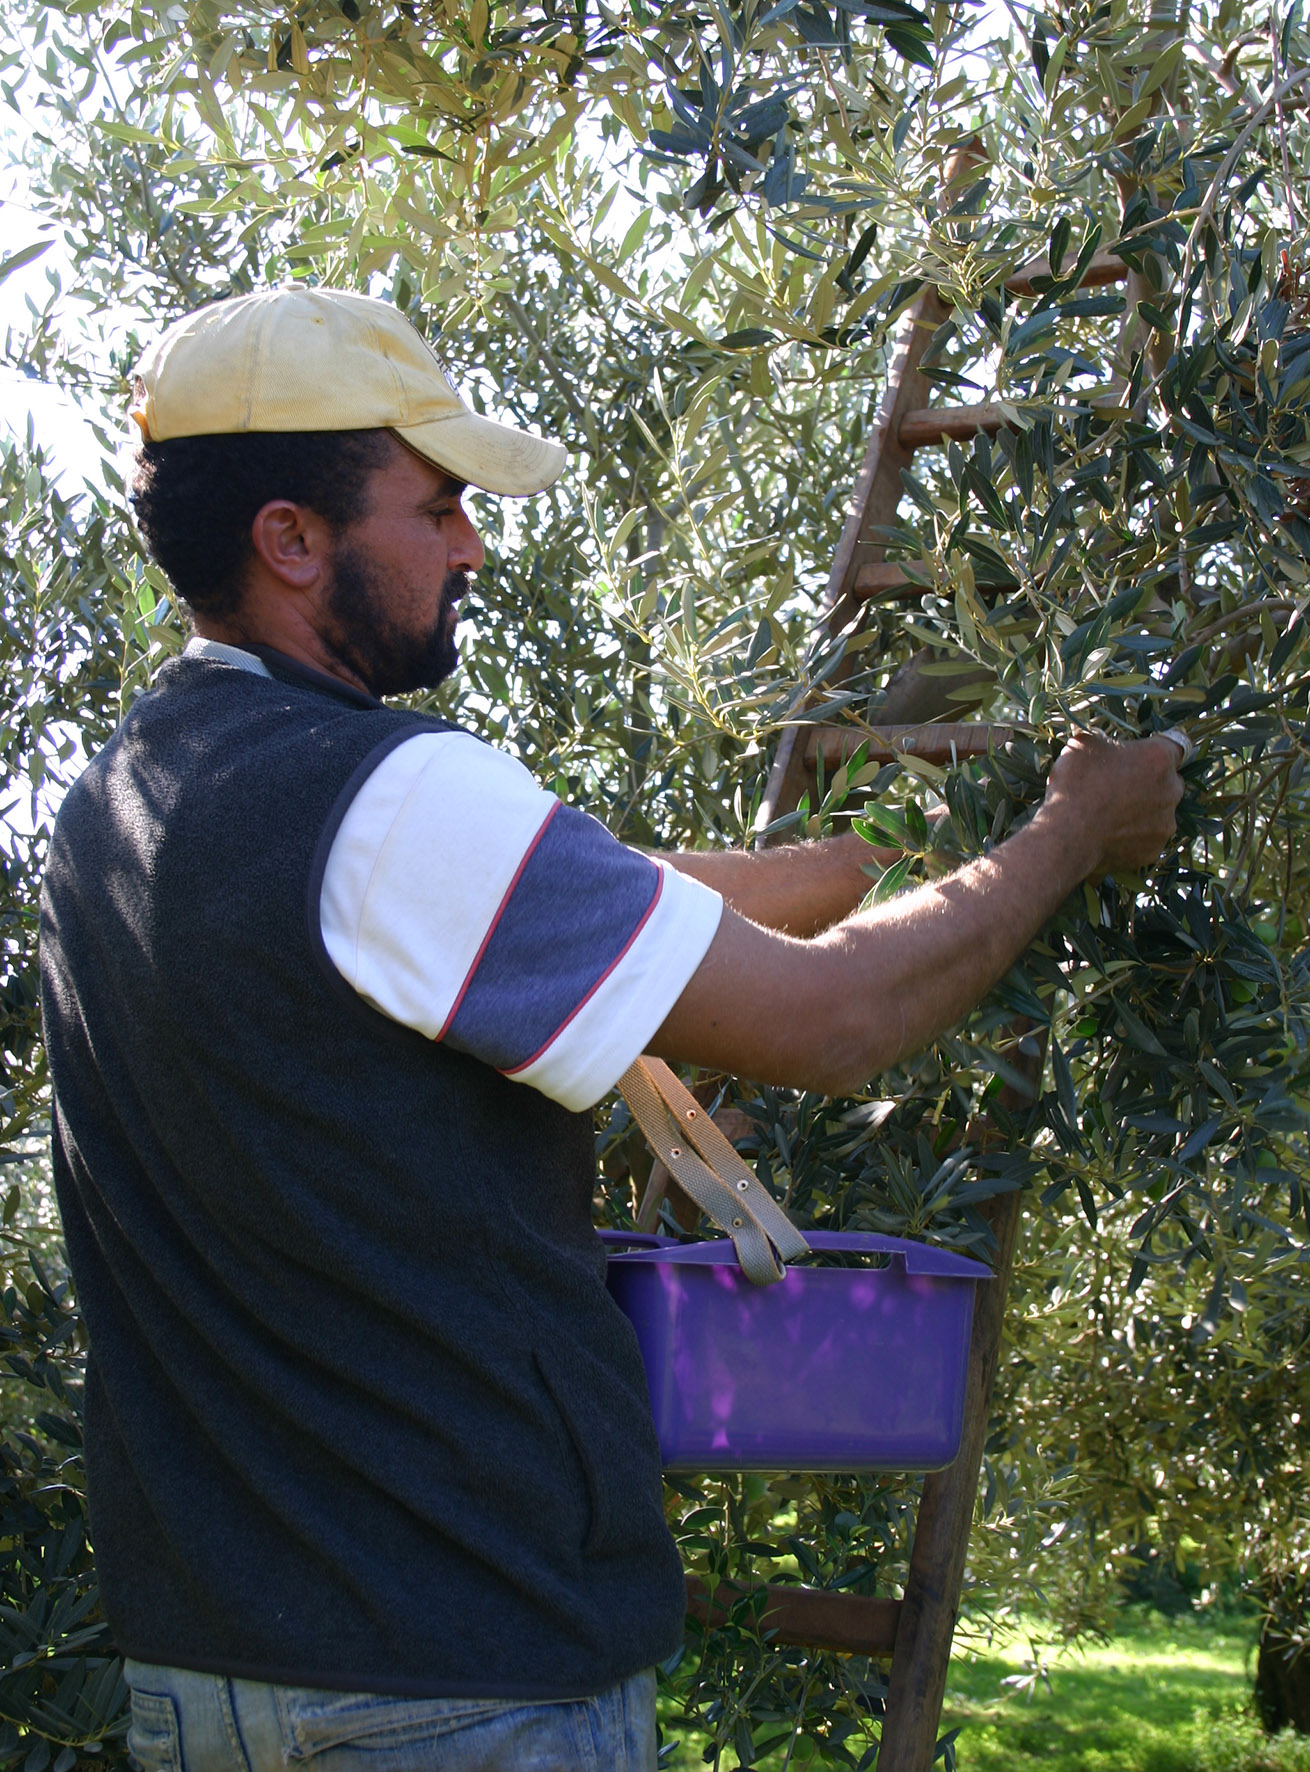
(1282, 1679)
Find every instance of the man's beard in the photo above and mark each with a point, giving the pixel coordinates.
(365, 635)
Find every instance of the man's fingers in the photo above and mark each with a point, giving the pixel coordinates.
(1124, 794)
(1174, 742)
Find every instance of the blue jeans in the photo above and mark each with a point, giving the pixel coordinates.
(193, 1722)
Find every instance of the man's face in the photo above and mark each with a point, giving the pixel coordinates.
(398, 574)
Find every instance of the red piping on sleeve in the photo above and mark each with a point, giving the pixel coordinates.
(500, 912)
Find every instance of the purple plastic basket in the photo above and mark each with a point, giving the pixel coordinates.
(832, 1369)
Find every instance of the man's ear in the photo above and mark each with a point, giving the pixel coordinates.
(293, 542)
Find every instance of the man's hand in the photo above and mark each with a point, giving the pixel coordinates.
(829, 1012)
(1120, 798)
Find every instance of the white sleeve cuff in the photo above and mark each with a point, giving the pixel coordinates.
(613, 1026)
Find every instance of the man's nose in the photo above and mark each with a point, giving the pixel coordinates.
(466, 549)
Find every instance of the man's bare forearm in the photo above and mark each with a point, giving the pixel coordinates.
(831, 1011)
(799, 890)
(938, 950)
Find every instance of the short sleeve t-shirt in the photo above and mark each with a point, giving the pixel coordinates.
(465, 901)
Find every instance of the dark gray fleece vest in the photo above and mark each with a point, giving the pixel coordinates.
(359, 1411)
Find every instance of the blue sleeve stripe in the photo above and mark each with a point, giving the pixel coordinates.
(615, 962)
(573, 911)
(501, 908)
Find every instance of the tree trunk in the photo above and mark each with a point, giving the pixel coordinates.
(1282, 1680)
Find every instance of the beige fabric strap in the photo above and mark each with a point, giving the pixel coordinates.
(705, 1166)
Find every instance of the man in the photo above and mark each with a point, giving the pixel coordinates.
(329, 991)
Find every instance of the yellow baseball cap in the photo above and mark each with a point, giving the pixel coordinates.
(303, 359)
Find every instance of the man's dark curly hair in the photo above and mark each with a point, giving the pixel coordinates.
(195, 499)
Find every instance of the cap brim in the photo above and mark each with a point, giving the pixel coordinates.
(490, 456)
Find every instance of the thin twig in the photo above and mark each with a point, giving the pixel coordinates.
(800, 1718)
(1269, 606)
(1219, 71)
(1231, 158)
(185, 286)
(547, 356)
(1282, 121)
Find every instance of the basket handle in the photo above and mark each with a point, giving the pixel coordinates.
(709, 1170)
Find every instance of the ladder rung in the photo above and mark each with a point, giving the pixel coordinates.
(809, 1617)
(935, 744)
(1105, 267)
(934, 424)
(886, 578)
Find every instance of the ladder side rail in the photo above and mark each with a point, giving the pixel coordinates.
(916, 1632)
(878, 490)
(874, 499)
(926, 1628)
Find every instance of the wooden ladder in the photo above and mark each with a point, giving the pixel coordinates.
(916, 1631)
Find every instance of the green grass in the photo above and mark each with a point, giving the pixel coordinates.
(1166, 1695)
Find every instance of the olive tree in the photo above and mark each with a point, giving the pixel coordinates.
(681, 238)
